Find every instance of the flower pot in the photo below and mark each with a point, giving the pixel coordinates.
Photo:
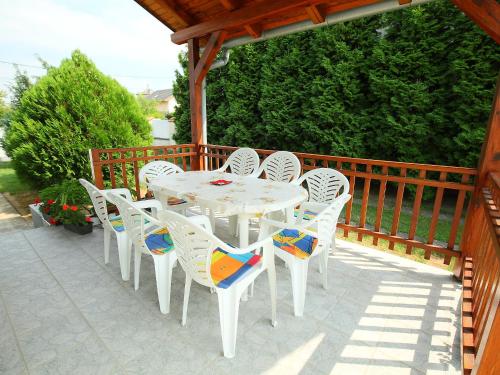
(79, 229)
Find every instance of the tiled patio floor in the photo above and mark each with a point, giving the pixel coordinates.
(62, 311)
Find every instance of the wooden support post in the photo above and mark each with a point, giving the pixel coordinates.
(198, 69)
(489, 161)
(195, 101)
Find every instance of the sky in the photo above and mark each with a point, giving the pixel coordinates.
(122, 39)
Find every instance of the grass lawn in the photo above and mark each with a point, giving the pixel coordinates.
(422, 232)
(9, 182)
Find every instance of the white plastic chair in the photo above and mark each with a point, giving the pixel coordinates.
(214, 264)
(280, 166)
(114, 224)
(158, 168)
(324, 186)
(297, 243)
(243, 162)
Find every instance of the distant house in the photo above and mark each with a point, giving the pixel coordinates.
(165, 99)
(163, 130)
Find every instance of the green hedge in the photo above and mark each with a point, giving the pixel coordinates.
(412, 85)
(71, 109)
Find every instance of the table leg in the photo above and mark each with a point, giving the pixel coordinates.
(244, 223)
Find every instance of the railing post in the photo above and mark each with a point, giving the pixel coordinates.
(489, 161)
(96, 168)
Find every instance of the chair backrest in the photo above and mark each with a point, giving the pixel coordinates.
(99, 202)
(157, 168)
(193, 245)
(134, 220)
(244, 161)
(324, 184)
(281, 166)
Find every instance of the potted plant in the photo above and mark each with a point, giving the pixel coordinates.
(75, 218)
(66, 203)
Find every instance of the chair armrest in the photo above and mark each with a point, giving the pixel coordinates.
(252, 247)
(202, 221)
(119, 191)
(281, 225)
(313, 206)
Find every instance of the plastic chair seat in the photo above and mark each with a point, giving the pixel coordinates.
(159, 241)
(117, 223)
(227, 268)
(295, 242)
(308, 215)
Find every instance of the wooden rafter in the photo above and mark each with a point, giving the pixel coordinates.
(315, 14)
(485, 13)
(230, 4)
(250, 14)
(254, 30)
(177, 12)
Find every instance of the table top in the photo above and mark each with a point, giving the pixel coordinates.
(245, 194)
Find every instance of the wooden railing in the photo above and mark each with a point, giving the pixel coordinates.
(481, 294)
(379, 176)
(119, 167)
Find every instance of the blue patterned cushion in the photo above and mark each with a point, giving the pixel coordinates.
(117, 223)
(295, 242)
(159, 241)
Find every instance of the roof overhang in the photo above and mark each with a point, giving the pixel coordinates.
(246, 21)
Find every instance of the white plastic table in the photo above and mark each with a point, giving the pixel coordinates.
(245, 197)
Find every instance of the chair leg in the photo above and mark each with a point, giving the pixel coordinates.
(124, 255)
(137, 268)
(107, 242)
(298, 270)
(271, 275)
(229, 303)
(324, 261)
(212, 218)
(187, 289)
(233, 223)
(163, 280)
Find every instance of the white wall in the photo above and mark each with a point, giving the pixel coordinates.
(163, 131)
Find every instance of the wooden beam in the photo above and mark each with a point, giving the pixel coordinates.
(485, 13)
(230, 4)
(195, 100)
(177, 12)
(404, 2)
(209, 54)
(315, 14)
(246, 15)
(254, 30)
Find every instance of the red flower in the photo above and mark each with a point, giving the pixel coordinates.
(51, 201)
(52, 221)
(88, 219)
(46, 209)
(74, 208)
(65, 207)
(37, 200)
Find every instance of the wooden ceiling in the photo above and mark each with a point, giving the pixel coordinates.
(199, 18)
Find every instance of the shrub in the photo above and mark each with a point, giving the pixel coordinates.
(73, 108)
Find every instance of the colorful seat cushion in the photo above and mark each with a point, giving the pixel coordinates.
(159, 241)
(308, 215)
(117, 223)
(226, 268)
(173, 201)
(295, 242)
